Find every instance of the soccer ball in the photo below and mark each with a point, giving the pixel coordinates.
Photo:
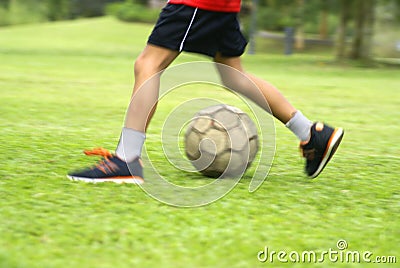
(221, 141)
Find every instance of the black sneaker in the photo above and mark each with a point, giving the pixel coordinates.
(111, 168)
(321, 147)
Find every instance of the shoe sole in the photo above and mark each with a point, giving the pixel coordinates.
(333, 144)
(119, 180)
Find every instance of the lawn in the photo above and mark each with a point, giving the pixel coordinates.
(64, 87)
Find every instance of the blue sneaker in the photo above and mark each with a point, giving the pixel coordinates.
(320, 148)
(110, 169)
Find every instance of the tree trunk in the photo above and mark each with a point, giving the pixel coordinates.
(323, 21)
(363, 35)
(299, 36)
(323, 26)
(345, 7)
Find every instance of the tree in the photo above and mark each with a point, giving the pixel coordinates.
(364, 24)
(344, 17)
(58, 9)
(323, 21)
(5, 3)
(89, 8)
(299, 39)
(362, 13)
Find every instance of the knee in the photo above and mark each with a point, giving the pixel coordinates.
(143, 65)
(146, 66)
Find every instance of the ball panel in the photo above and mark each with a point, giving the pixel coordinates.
(238, 139)
(233, 109)
(202, 124)
(192, 141)
(227, 118)
(237, 165)
(249, 125)
(222, 161)
(210, 172)
(204, 162)
(219, 139)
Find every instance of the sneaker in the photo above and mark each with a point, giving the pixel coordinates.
(111, 168)
(320, 148)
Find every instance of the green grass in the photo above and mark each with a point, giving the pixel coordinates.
(64, 87)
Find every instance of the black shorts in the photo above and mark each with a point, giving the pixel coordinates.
(185, 28)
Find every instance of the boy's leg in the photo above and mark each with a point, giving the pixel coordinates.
(264, 94)
(150, 62)
(318, 141)
(125, 165)
(148, 67)
(269, 95)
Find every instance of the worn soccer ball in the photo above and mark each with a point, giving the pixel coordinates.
(221, 141)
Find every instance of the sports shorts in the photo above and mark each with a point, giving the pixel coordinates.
(190, 29)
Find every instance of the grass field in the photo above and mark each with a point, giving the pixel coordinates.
(64, 87)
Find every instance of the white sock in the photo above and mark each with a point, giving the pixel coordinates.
(130, 144)
(300, 126)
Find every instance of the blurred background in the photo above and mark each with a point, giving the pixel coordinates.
(66, 78)
(348, 29)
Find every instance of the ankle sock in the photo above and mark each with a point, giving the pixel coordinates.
(130, 144)
(300, 126)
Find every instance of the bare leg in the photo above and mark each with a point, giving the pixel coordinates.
(264, 94)
(148, 68)
(150, 62)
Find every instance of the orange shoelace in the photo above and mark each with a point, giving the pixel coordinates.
(105, 166)
(98, 151)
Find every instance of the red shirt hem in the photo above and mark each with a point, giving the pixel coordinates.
(219, 6)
